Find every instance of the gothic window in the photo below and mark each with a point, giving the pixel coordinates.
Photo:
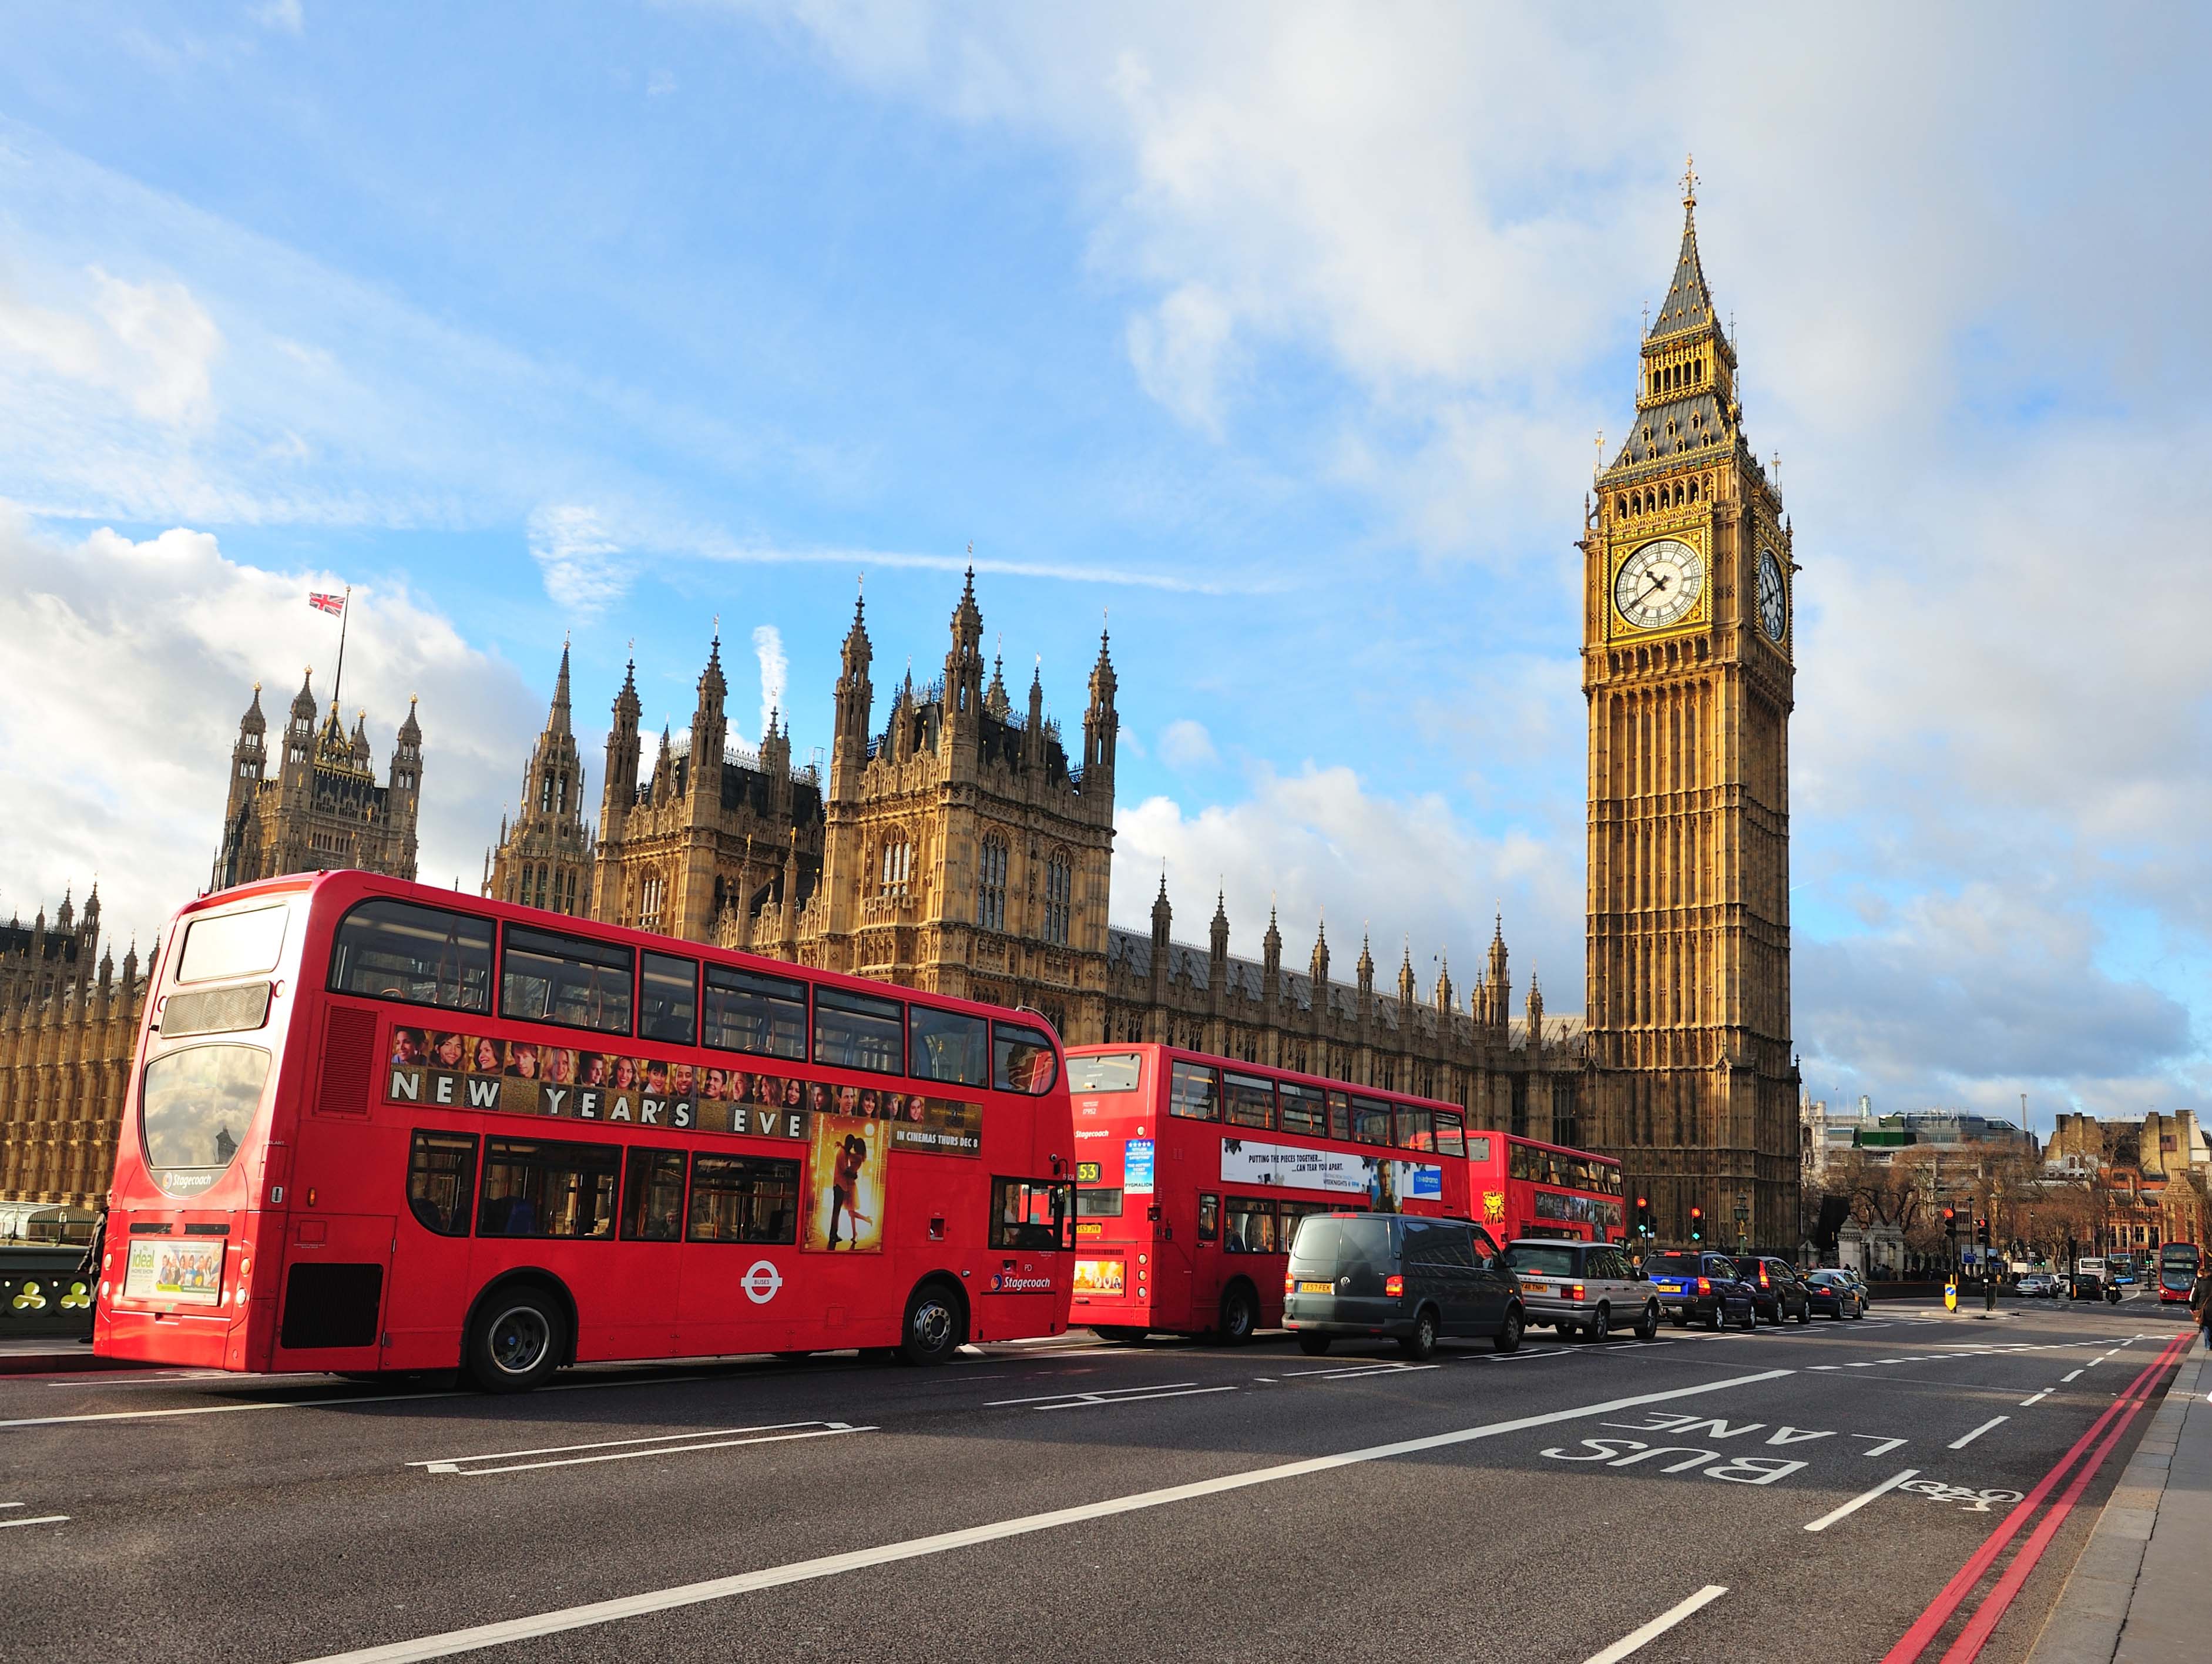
(546, 796)
(651, 894)
(991, 886)
(897, 865)
(1059, 894)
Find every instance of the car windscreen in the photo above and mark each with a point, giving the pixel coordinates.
(1326, 1239)
(1544, 1261)
(1673, 1265)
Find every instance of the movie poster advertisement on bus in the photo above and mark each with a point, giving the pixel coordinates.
(188, 1272)
(1106, 1278)
(449, 1069)
(845, 1199)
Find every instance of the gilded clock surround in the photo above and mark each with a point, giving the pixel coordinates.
(1688, 973)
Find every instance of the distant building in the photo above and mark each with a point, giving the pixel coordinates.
(1825, 1135)
(322, 810)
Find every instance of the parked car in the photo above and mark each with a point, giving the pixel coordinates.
(1583, 1288)
(1691, 1285)
(1413, 1280)
(1776, 1294)
(1836, 1294)
(2036, 1285)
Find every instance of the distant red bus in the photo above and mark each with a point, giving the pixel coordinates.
(376, 1127)
(2179, 1268)
(1192, 1174)
(1523, 1187)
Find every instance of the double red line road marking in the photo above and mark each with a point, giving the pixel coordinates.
(2113, 1426)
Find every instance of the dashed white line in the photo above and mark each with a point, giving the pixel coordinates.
(1861, 1500)
(1635, 1640)
(2063, 1379)
(42, 1519)
(2038, 1397)
(1994, 1421)
(662, 1444)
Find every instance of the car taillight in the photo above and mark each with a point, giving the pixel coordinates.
(1393, 1286)
(1763, 1283)
(1704, 1285)
(1290, 1285)
(1576, 1292)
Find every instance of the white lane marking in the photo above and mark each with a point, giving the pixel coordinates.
(42, 1519)
(666, 1444)
(1861, 1500)
(1635, 1640)
(690, 1594)
(1880, 1446)
(2038, 1397)
(1827, 1366)
(1088, 1402)
(1360, 1375)
(1515, 1357)
(1994, 1421)
(2063, 1380)
(1105, 1395)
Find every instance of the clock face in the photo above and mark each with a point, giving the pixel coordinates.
(1659, 584)
(1773, 600)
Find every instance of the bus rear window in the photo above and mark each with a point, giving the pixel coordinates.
(1115, 1071)
(1099, 1202)
(194, 1111)
(232, 945)
(424, 956)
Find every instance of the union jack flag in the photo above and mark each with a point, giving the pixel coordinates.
(330, 604)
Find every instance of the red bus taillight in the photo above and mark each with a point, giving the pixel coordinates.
(1395, 1287)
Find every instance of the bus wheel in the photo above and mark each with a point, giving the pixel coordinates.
(1121, 1334)
(1240, 1315)
(517, 1340)
(933, 1329)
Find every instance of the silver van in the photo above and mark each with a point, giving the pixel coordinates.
(1391, 1275)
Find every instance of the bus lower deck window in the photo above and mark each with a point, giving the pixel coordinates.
(652, 1196)
(744, 1198)
(535, 1187)
(441, 1182)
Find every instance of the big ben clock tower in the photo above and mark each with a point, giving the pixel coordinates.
(1688, 637)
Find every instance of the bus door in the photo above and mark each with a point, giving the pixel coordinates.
(338, 1272)
(1204, 1280)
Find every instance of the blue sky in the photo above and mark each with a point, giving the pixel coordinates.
(1281, 334)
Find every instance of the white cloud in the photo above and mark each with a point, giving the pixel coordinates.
(143, 656)
(151, 342)
(1176, 349)
(1185, 744)
(283, 15)
(586, 570)
(774, 670)
(1405, 869)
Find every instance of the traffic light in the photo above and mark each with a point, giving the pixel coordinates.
(1950, 1222)
(1696, 1224)
(1981, 1230)
(1643, 1215)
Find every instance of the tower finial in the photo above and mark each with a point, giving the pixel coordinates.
(1689, 180)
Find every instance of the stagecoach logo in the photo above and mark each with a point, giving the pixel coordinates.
(762, 1281)
(1006, 1283)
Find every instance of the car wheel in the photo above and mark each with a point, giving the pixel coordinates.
(1804, 1313)
(1240, 1316)
(1508, 1339)
(1680, 1320)
(1713, 1318)
(1312, 1345)
(1422, 1342)
(1600, 1326)
(518, 1340)
(1647, 1326)
(1750, 1318)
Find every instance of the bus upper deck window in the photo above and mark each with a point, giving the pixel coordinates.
(1022, 1059)
(425, 955)
(569, 979)
(668, 1006)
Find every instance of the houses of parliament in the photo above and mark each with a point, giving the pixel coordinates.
(960, 841)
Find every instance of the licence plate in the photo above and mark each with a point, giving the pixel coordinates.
(1535, 1288)
(1316, 1288)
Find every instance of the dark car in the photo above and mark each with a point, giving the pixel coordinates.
(1413, 1280)
(1776, 1294)
(1583, 1288)
(1835, 1294)
(1691, 1285)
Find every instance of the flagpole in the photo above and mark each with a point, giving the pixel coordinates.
(345, 614)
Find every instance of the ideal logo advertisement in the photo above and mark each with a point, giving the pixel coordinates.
(188, 1272)
(450, 1069)
(1137, 1167)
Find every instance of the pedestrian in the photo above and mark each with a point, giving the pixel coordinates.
(2200, 1303)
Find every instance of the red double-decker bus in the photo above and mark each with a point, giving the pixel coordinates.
(376, 1127)
(1525, 1187)
(1192, 1174)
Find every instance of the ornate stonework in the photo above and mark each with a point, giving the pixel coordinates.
(323, 810)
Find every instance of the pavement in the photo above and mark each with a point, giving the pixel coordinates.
(1801, 1493)
(2137, 1595)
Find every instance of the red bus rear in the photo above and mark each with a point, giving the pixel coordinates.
(1192, 1172)
(374, 1127)
(1524, 1187)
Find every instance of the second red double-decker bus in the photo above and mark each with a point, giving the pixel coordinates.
(375, 1127)
(1524, 1187)
(1192, 1172)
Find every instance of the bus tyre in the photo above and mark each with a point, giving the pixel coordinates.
(1120, 1334)
(1647, 1326)
(1508, 1338)
(1312, 1345)
(1240, 1315)
(934, 1328)
(1422, 1342)
(517, 1339)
